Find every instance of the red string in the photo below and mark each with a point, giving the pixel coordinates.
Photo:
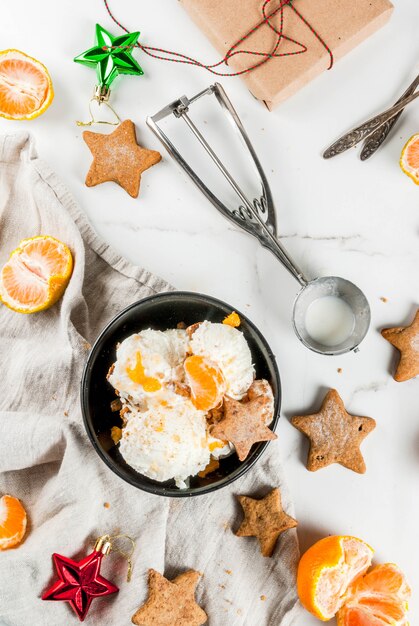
(178, 57)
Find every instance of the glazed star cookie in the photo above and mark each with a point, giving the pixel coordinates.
(265, 519)
(335, 435)
(171, 603)
(243, 425)
(118, 158)
(406, 340)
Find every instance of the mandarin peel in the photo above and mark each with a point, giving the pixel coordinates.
(332, 562)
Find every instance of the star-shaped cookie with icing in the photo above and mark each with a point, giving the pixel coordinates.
(171, 602)
(406, 340)
(118, 158)
(335, 435)
(265, 519)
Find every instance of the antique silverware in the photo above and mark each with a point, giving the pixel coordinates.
(378, 137)
(354, 136)
(257, 217)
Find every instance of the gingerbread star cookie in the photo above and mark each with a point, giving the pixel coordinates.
(406, 340)
(335, 435)
(171, 603)
(265, 519)
(243, 424)
(118, 158)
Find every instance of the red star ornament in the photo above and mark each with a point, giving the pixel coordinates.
(79, 582)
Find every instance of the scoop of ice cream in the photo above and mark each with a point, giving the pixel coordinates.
(228, 349)
(168, 440)
(147, 361)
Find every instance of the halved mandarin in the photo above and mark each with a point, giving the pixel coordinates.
(25, 86)
(379, 598)
(409, 160)
(36, 274)
(12, 522)
(206, 381)
(327, 570)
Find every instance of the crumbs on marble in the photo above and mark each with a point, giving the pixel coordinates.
(66, 413)
(228, 571)
(106, 505)
(239, 612)
(339, 370)
(383, 299)
(263, 598)
(86, 345)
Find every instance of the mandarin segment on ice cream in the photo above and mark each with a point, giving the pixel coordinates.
(172, 385)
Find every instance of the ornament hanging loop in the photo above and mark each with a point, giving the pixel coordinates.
(106, 545)
(123, 553)
(101, 95)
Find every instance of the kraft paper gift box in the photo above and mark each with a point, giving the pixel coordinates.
(342, 24)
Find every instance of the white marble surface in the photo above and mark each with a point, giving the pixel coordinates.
(344, 217)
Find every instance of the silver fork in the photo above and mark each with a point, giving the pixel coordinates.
(378, 137)
(368, 128)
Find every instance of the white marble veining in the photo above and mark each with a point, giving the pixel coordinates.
(342, 217)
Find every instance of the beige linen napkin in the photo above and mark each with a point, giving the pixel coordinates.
(48, 462)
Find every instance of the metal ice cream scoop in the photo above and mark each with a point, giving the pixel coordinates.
(257, 217)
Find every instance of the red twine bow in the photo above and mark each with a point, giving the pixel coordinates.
(178, 57)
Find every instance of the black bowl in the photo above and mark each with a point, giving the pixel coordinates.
(160, 312)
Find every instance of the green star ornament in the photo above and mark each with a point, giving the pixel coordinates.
(111, 56)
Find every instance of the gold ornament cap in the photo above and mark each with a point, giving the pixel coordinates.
(101, 93)
(103, 544)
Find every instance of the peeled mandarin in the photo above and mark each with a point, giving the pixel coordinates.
(377, 599)
(409, 160)
(13, 522)
(206, 381)
(36, 274)
(25, 86)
